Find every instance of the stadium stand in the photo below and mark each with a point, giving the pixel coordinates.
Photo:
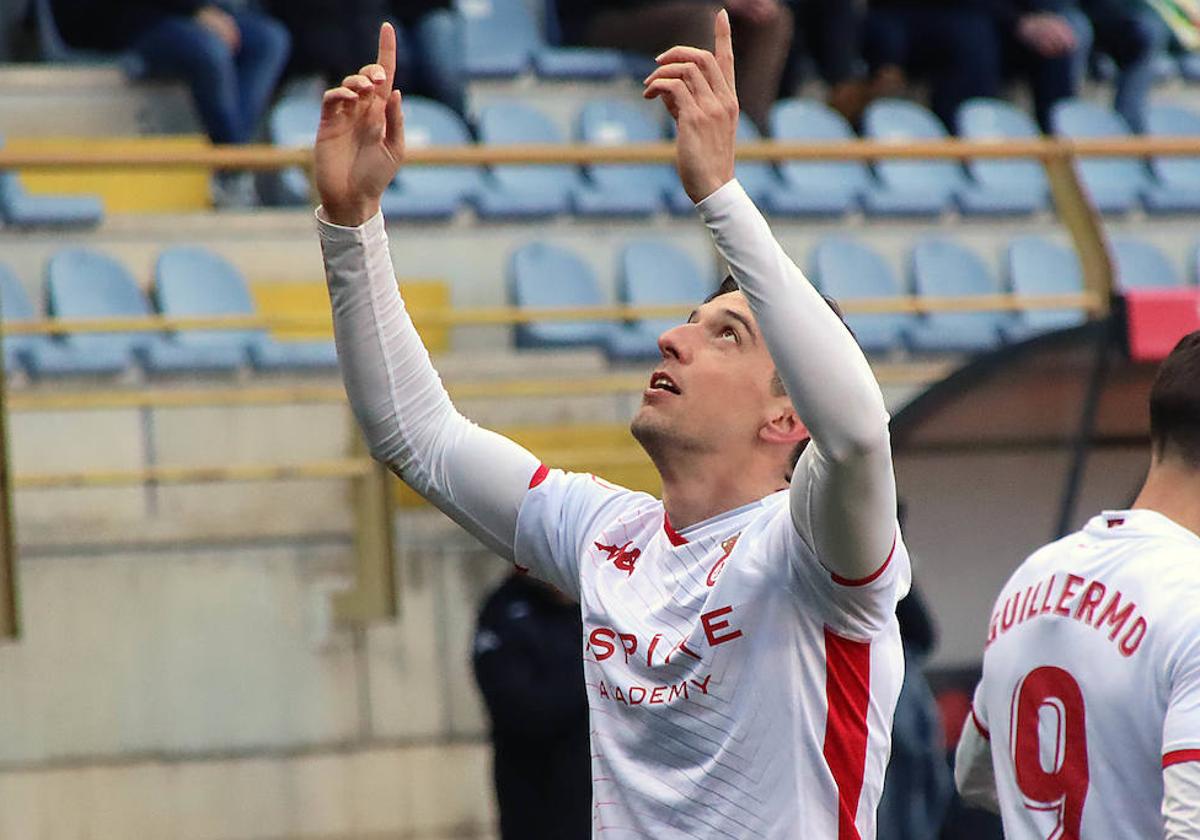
(15, 306)
(1179, 177)
(613, 122)
(819, 188)
(848, 269)
(943, 268)
(293, 122)
(21, 209)
(1114, 184)
(1036, 266)
(432, 191)
(1141, 265)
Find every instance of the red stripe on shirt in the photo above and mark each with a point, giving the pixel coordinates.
(539, 476)
(674, 536)
(874, 575)
(983, 730)
(1179, 757)
(847, 694)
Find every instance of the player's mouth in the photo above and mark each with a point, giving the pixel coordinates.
(661, 382)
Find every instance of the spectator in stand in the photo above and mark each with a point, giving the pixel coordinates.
(966, 47)
(829, 31)
(231, 58)
(330, 37)
(1133, 33)
(762, 31)
(528, 661)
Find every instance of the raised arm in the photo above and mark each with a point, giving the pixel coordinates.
(845, 495)
(476, 477)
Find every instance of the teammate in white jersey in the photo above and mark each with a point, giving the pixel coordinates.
(742, 657)
(1086, 723)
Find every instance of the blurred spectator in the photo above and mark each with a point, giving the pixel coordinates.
(231, 58)
(829, 31)
(12, 14)
(1133, 34)
(965, 48)
(529, 665)
(918, 786)
(330, 37)
(762, 35)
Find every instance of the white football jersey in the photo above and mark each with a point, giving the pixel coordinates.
(737, 688)
(1091, 679)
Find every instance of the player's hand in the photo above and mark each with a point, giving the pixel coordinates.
(222, 24)
(360, 141)
(698, 89)
(1046, 33)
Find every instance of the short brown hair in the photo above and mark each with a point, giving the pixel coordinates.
(729, 285)
(1175, 403)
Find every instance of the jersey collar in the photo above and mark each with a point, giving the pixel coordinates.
(1115, 522)
(678, 538)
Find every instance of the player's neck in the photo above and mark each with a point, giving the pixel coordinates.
(1172, 489)
(701, 488)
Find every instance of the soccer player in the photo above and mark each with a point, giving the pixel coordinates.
(742, 657)
(1086, 723)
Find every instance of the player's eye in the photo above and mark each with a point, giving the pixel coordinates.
(730, 332)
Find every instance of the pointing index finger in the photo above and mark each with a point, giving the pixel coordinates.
(387, 54)
(723, 38)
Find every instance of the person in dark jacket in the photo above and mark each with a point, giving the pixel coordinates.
(231, 58)
(528, 658)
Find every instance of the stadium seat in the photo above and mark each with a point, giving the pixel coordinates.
(1037, 266)
(15, 307)
(432, 192)
(817, 188)
(20, 209)
(655, 273)
(293, 122)
(1114, 184)
(1189, 66)
(1141, 265)
(941, 268)
(1178, 187)
(541, 276)
(993, 119)
(85, 284)
(846, 269)
(610, 122)
(503, 40)
(925, 187)
(192, 282)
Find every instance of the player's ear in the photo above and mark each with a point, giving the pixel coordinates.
(783, 425)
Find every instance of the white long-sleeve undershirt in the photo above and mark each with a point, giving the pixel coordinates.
(479, 478)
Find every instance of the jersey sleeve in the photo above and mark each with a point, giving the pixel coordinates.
(1181, 727)
(560, 514)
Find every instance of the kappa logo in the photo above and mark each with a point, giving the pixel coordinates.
(727, 548)
(623, 557)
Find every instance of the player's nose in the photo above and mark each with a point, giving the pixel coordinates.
(672, 343)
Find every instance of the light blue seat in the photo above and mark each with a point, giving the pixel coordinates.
(610, 122)
(293, 122)
(15, 307)
(85, 284)
(757, 177)
(1189, 66)
(655, 273)
(815, 188)
(993, 120)
(1037, 266)
(556, 61)
(547, 276)
(1114, 184)
(1141, 265)
(925, 187)
(193, 282)
(432, 192)
(846, 270)
(1178, 178)
(19, 208)
(942, 268)
(503, 41)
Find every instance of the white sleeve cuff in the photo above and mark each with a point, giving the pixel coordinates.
(369, 231)
(721, 201)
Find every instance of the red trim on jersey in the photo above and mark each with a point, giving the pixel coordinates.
(871, 577)
(1113, 523)
(1179, 757)
(847, 695)
(674, 536)
(539, 476)
(983, 730)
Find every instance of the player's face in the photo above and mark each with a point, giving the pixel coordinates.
(712, 390)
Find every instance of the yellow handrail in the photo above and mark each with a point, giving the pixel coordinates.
(275, 157)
